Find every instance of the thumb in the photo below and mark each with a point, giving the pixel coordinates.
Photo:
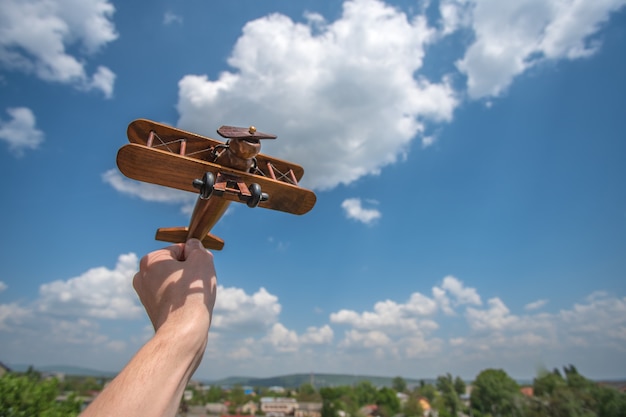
(191, 246)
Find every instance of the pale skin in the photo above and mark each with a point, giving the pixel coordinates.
(177, 286)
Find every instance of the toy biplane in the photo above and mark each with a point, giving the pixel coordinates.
(220, 172)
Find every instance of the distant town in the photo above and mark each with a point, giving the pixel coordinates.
(491, 393)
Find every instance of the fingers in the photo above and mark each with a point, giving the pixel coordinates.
(177, 251)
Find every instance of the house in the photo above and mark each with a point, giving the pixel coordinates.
(369, 410)
(249, 408)
(279, 406)
(309, 409)
(216, 408)
(188, 395)
(402, 397)
(425, 405)
(527, 391)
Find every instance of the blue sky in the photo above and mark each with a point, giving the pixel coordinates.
(468, 157)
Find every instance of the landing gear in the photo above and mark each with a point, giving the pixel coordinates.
(256, 195)
(229, 184)
(205, 185)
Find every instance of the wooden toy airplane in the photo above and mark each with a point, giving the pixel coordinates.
(220, 172)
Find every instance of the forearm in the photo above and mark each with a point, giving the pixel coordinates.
(152, 383)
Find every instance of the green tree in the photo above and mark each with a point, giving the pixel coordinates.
(496, 393)
(459, 385)
(335, 399)
(611, 403)
(28, 395)
(574, 395)
(365, 393)
(398, 384)
(307, 393)
(214, 394)
(427, 391)
(449, 396)
(546, 383)
(412, 407)
(237, 397)
(388, 402)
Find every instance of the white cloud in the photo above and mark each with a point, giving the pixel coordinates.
(455, 14)
(428, 141)
(513, 36)
(535, 305)
(496, 317)
(391, 317)
(600, 313)
(102, 80)
(283, 339)
(35, 36)
(236, 311)
(12, 315)
(462, 295)
(3, 286)
(146, 191)
(343, 99)
(171, 18)
(20, 132)
(318, 335)
(369, 339)
(248, 333)
(100, 292)
(355, 210)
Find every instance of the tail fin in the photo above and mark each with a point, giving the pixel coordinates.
(179, 235)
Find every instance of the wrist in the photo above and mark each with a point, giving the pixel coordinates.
(186, 336)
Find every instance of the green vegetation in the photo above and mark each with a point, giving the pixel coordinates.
(29, 395)
(493, 394)
(574, 396)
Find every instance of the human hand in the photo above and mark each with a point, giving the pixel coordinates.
(177, 286)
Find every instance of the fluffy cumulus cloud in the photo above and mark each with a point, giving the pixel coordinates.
(20, 131)
(513, 36)
(66, 319)
(418, 334)
(35, 36)
(408, 327)
(344, 100)
(145, 191)
(354, 209)
(99, 292)
(237, 311)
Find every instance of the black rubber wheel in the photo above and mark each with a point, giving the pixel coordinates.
(205, 185)
(255, 198)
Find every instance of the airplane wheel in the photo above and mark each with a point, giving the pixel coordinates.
(255, 198)
(205, 185)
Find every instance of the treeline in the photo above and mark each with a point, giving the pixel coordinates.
(493, 393)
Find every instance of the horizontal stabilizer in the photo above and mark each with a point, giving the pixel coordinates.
(179, 235)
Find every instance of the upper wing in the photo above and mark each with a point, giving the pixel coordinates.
(161, 167)
(170, 139)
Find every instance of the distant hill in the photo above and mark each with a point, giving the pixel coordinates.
(64, 369)
(317, 380)
(286, 381)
